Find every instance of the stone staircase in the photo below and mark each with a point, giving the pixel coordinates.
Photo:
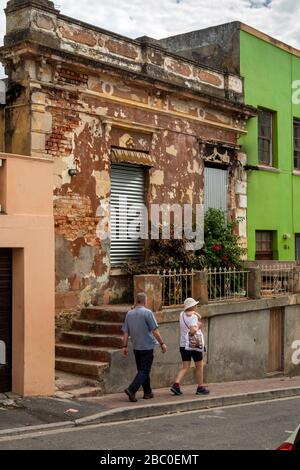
(86, 349)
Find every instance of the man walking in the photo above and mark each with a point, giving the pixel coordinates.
(141, 325)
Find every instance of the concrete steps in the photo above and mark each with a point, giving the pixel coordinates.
(92, 339)
(65, 381)
(105, 328)
(76, 386)
(89, 353)
(109, 313)
(87, 348)
(81, 367)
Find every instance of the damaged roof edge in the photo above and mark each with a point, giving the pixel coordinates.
(143, 40)
(126, 73)
(208, 28)
(244, 27)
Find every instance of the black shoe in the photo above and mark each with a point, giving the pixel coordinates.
(202, 391)
(130, 395)
(176, 390)
(148, 396)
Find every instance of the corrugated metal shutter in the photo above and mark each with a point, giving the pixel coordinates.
(215, 189)
(127, 181)
(5, 319)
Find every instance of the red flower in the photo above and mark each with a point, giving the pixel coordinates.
(217, 247)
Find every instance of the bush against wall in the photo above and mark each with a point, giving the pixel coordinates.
(222, 249)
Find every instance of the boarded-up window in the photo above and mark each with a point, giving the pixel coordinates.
(215, 188)
(127, 213)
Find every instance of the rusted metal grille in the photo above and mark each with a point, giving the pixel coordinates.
(5, 319)
(276, 279)
(227, 284)
(176, 286)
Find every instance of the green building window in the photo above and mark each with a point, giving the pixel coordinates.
(265, 134)
(264, 245)
(297, 144)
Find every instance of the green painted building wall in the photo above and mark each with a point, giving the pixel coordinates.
(273, 194)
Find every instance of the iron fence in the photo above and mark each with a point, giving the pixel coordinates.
(227, 284)
(176, 286)
(277, 279)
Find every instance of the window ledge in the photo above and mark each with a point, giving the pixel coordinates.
(117, 272)
(272, 169)
(296, 172)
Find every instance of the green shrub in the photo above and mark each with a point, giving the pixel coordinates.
(222, 245)
(221, 249)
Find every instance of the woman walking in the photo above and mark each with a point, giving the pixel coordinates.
(189, 319)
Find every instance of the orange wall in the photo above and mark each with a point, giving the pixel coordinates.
(28, 228)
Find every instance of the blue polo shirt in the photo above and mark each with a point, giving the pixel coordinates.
(139, 324)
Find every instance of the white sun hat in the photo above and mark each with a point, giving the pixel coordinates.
(189, 303)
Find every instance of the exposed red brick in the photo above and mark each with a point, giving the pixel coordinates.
(81, 36)
(121, 49)
(67, 76)
(180, 68)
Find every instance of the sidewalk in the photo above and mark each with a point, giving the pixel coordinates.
(19, 415)
(164, 402)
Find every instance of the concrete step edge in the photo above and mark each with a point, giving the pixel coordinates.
(175, 406)
(78, 360)
(125, 413)
(97, 322)
(86, 348)
(92, 335)
(86, 392)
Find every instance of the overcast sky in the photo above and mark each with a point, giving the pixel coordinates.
(161, 18)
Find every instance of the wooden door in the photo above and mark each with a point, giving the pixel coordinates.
(276, 340)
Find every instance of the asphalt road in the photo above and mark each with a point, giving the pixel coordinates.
(252, 427)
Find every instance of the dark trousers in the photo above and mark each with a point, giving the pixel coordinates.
(144, 361)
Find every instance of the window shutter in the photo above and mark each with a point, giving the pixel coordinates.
(127, 181)
(215, 189)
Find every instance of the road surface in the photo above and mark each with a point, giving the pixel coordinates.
(254, 427)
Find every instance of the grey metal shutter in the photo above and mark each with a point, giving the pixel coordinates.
(215, 189)
(5, 319)
(128, 181)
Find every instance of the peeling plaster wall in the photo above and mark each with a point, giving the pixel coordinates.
(178, 174)
(72, 96)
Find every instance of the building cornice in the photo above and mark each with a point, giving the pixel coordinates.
(265, 37)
